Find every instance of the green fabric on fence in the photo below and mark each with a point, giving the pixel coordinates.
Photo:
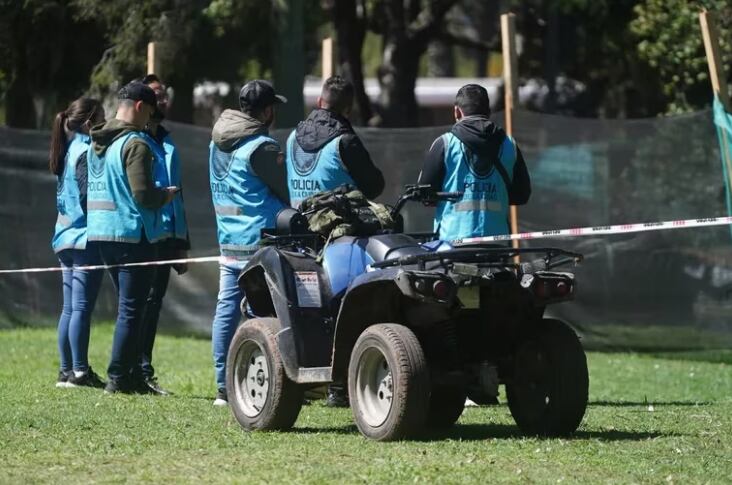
(723, 122)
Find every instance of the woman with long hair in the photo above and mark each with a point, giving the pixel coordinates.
(67, 160)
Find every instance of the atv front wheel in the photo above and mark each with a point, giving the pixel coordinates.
(260, 394)
(388, 383)
(547, 394)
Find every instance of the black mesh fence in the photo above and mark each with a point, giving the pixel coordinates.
(669, 289)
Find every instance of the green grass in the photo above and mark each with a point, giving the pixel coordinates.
(651, 419)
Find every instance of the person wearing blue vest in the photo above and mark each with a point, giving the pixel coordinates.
(67, 161)
(324, 152)
(248, 187)
(124, 218)
(476, 157)
(176, 243)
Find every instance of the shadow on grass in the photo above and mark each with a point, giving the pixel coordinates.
(346, 429)
(475, 432)
(481, 432)
(716, 356)
(646, 403)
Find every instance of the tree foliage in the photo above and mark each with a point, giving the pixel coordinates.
(670, 41)
(635, 57)
(45, 58)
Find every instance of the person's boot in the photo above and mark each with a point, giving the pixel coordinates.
(88, 378)
(337, 396)
(63, 379)
(221, 398)
(149, 385)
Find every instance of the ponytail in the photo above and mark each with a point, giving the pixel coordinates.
(57, 154)
(73, 118)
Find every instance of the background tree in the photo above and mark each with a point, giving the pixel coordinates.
(588, 41)
(406, 29)
(45, 59)
(670, 42)
(193, 34)
(351, 22)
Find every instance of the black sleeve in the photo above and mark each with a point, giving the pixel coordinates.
(181, 244)
(82, 176)
(269, 165)
(433, 169)
(357, 160)
(520, 190)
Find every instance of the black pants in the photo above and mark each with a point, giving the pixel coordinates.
(151, 315)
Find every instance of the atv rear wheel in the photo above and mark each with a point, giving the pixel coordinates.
(388, 383)
(547, 394)
(260, 394)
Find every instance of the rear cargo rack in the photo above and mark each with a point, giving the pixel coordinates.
(478, 255)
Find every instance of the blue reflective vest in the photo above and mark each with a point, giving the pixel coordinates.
(166, 172)
(70, 230)
(113, 213)
(483, 208)
(310, 173)
(244, 205)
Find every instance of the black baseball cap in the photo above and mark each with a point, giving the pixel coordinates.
(136, 91)
(258, 94)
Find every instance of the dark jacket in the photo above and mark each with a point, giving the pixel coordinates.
(138, 160)
(484, 138)
(322, 126)
(267, 160)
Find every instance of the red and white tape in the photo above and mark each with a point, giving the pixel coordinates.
(204, 259)
(552, 234)
(602, 230)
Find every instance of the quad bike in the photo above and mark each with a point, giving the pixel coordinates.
(412, 326)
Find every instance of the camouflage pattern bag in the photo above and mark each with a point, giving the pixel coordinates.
(345, 211)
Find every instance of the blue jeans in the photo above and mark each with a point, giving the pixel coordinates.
(133, 285)
(228, 316)
(80, 290)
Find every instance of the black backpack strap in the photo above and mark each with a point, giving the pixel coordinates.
(499, 166)
(502, 170)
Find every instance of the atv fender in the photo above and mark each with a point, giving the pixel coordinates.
(379, 296)
(264, 283)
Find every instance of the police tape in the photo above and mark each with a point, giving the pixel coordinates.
(551, 234)
(204, 259)
(601, 230)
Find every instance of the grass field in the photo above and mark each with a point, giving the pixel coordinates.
(651, 419)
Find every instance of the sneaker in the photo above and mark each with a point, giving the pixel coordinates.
(63, 379)
(86, 379)
(114, 386)
(221, 399)
(337, 397)
(149, 385)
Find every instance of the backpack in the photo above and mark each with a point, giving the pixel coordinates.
(345, 211)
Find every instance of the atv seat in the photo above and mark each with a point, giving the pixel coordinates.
(384, 246)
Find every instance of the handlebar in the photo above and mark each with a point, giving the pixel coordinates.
(423, 193)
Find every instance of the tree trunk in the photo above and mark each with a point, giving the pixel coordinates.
(181, 109)
(408, 27)
(397, 78)
(350, 29)
(551, 57)
(19, 109)
(440, 59)
(289, 68)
